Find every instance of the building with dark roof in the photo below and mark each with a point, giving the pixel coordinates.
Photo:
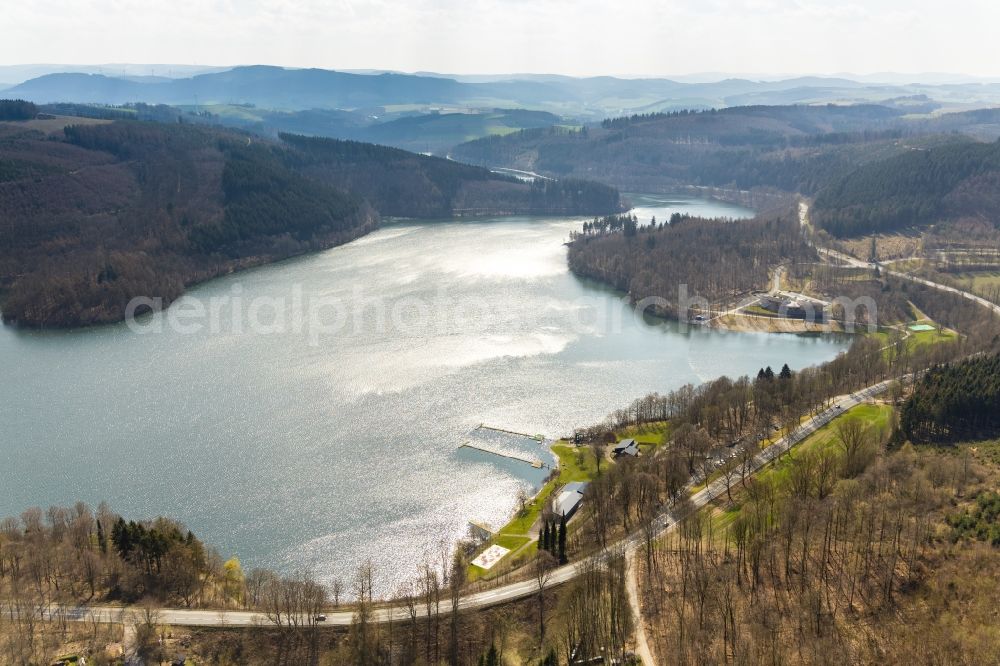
(626, 447)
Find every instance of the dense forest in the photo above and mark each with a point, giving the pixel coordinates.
(121, 209)
(913, 189)
(129, 209)
(793, 148)
(434, 132)
(423, 186)
(825, 563)
(713, 260)
(17, 109)
(955, 401)
(78, 553)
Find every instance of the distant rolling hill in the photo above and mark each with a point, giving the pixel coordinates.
(439, 132)
(593, 97)
(433, 133)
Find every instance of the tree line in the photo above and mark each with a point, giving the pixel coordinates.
(17, 109)
(911, 189)
(955, 401)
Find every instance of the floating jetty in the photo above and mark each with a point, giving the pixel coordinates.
(537, 438)
(534, 462)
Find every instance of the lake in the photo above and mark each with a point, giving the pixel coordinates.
(307, 415)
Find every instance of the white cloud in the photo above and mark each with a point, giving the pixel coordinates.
(581, 37)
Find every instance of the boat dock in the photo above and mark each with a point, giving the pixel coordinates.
(534, 462)
(537, 438)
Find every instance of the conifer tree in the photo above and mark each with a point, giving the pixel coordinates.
(562, 540)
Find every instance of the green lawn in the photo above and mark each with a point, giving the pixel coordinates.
(574, 465)
(722, 519)
(760, 311)
(980, 282)
(510, 542)
(924, 338)
(825, 438)
(652, 434)
(917, 339)
(876, 416)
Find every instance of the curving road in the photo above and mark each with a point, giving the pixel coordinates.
(503, 594)
(857, 263)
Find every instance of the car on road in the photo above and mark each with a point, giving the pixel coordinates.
(319, 618)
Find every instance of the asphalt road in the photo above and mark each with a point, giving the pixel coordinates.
(853, 261)
(912, 278)
(499, 595)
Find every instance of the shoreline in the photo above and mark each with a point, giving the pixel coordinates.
(750, 323)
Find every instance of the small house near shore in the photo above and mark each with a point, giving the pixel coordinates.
(626, 447)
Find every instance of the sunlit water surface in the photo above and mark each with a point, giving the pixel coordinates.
(310, 450)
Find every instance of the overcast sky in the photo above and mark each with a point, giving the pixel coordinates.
(576, 37)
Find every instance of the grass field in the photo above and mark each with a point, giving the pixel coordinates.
(983, 283)
(907, 265)
(875, 416)
(918, 339)
(511, 542)
(988, 450)
(924, 338)
(653, 434)
(232, 111)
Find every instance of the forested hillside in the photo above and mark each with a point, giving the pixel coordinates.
(913, 189)
(956, 401)
(405, 184)
(870, 168)
(130, 209)
(794, 148)
(112, 211)
(712, 259)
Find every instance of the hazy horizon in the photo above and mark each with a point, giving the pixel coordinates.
(487, 37)
(181, 70)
